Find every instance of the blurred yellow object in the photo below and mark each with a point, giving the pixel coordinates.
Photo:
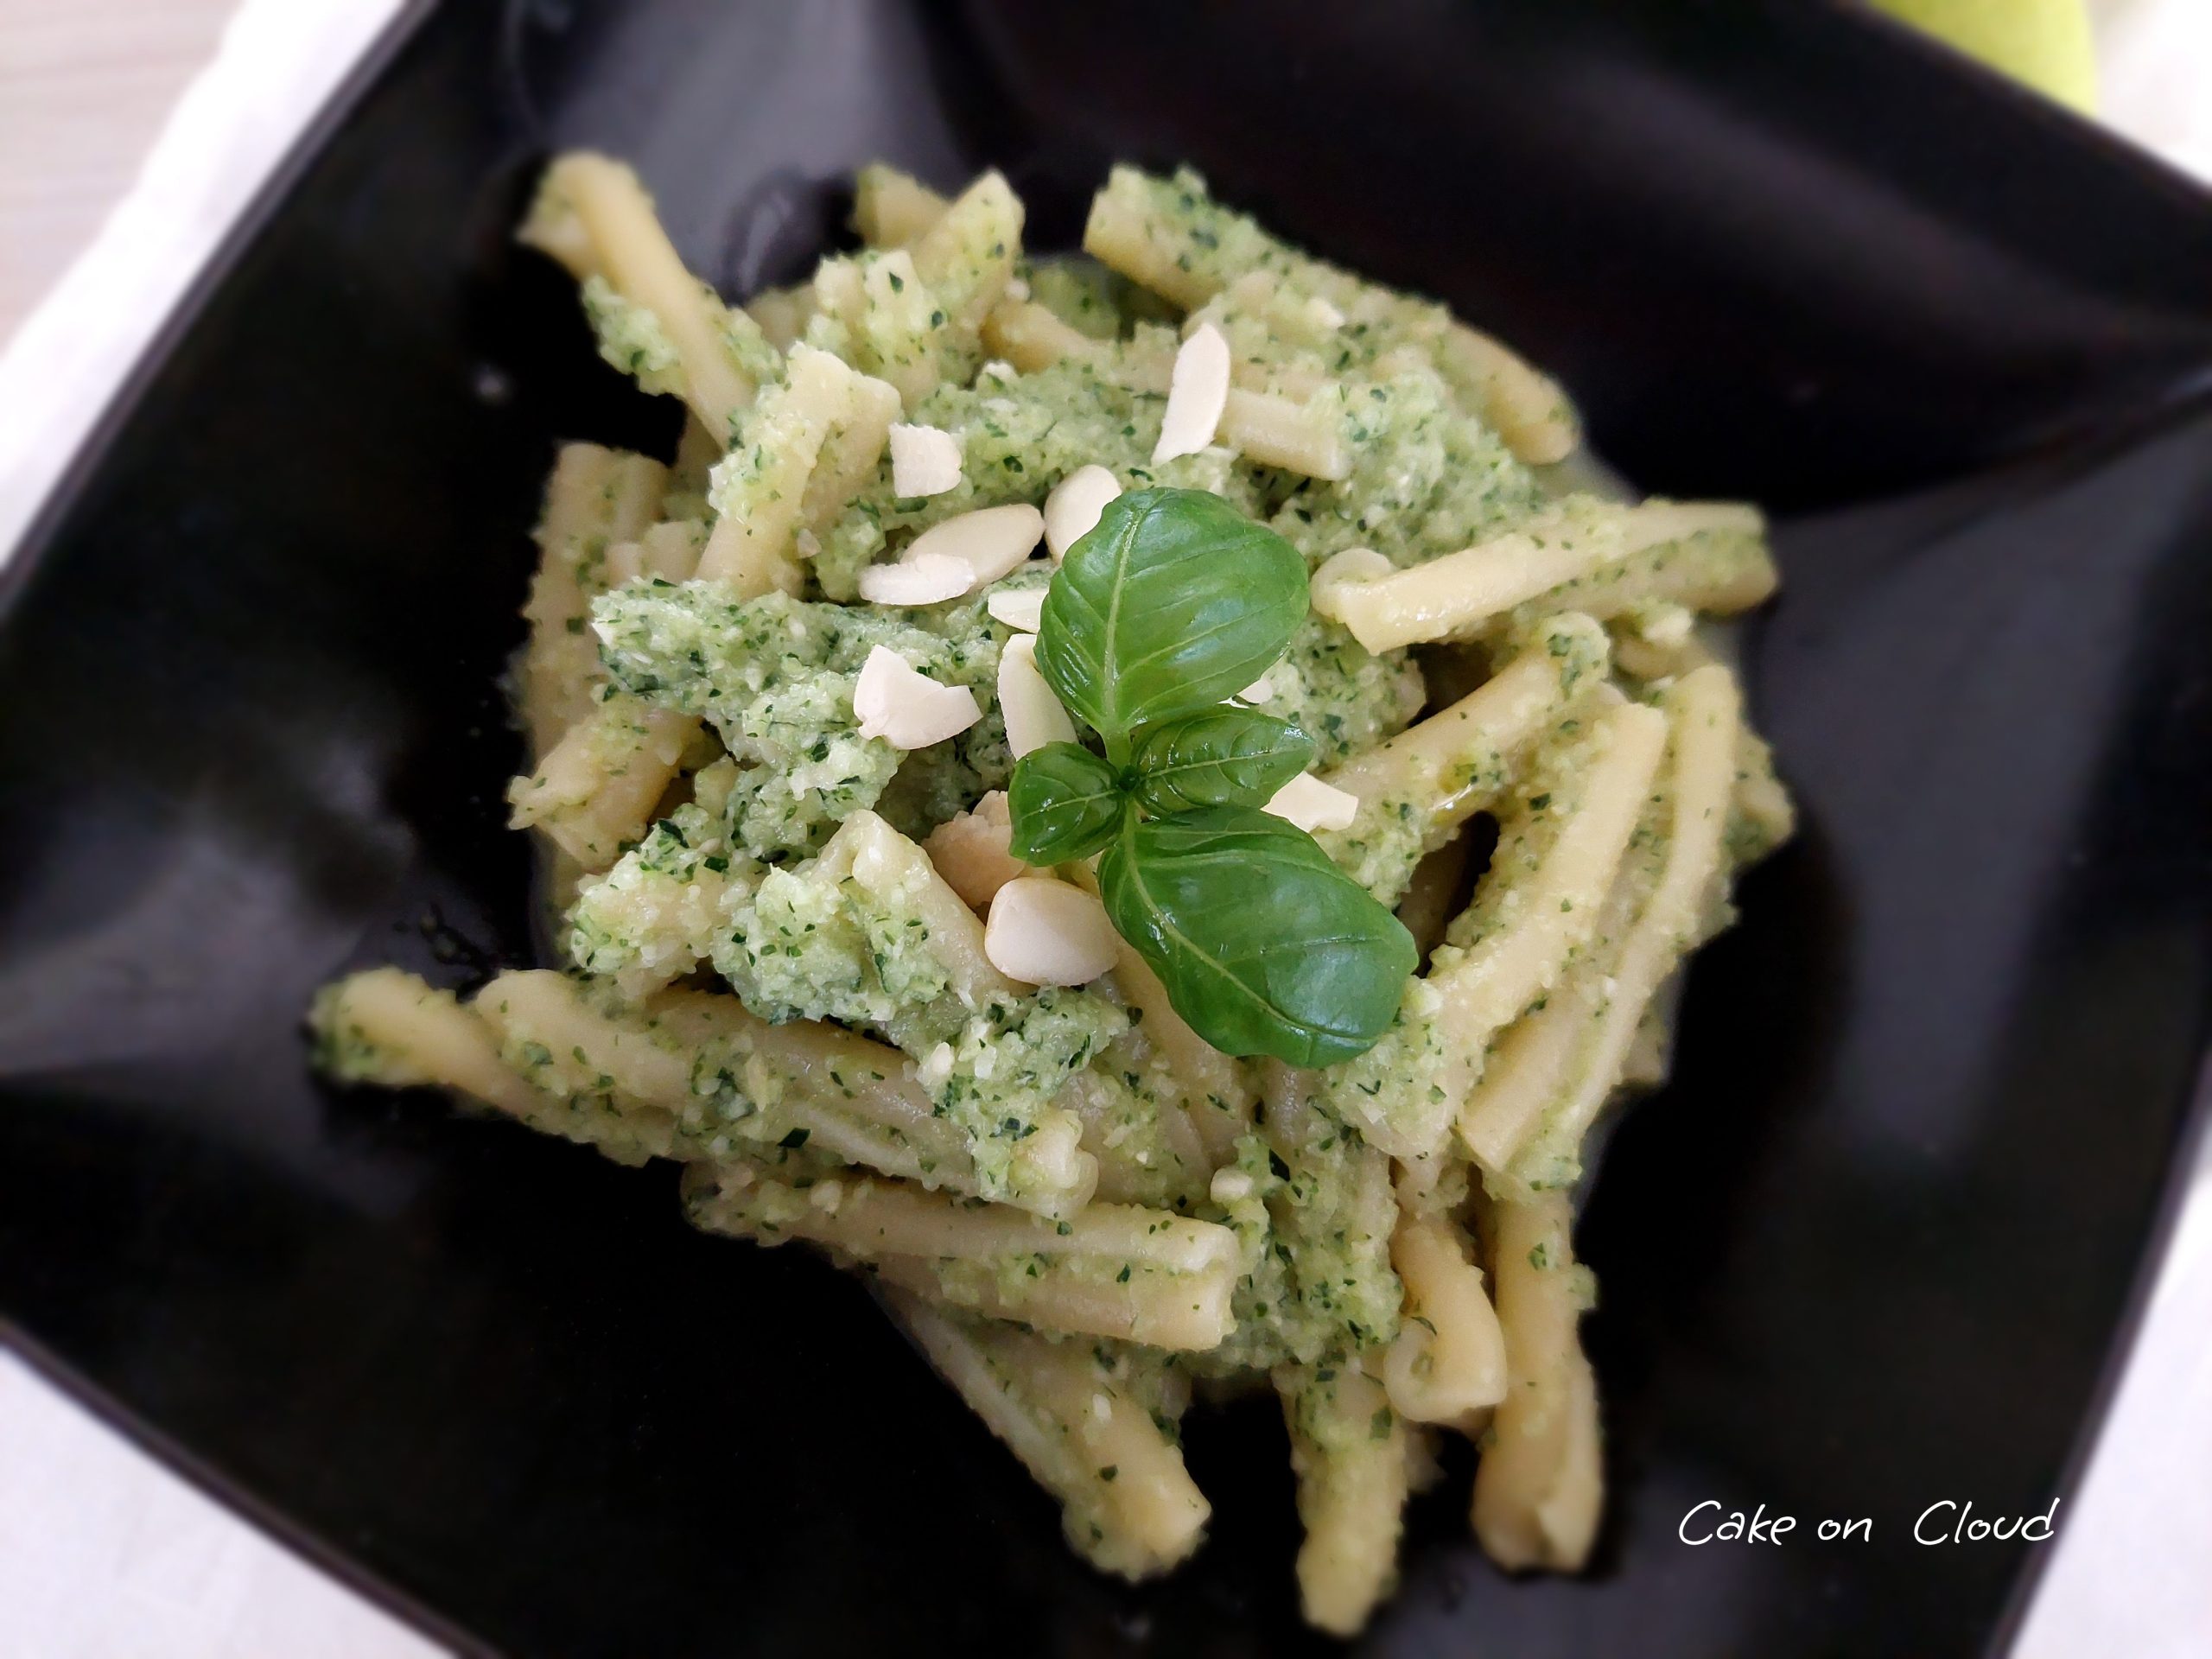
(2044, 43)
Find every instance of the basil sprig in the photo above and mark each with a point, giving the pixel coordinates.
(1264, 946)
(1221, 757)
(1177, 602)
(1065, 803)
(1171, 604)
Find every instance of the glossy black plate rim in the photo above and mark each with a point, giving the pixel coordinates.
(2087, 129)
(179, 1460)
(293, 159)
(2190, 1148)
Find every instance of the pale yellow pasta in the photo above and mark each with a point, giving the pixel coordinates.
(966, 256)
(667, 551)
(853, 1099)
(1705, 709)
(1547, 910)
(595, 792)
(1447, 755)
(603, 762)
(1649, 656)
(1266, 426)
(1539, 1488)
(1123, 233)
(1419, 787)
(1528, 408)
(1075, 1205)
(1760, 798)
(880, 315)
(601, 766)
(891, 208)
(1216, 1097)
(595, 499)
(1276, 430)
(850, 451)
(759, 491)
(911, 315)
(638, 927)
(1597, 1030)
(1207, 1099)
(1157, 1310)
(1078, 1424)
(1188, 264)
(1156, 1162)
(1351, 1452)
(386, 1026)
(1052, 1171)
(1295, 1122)
(1348, 1210)
(589, 1047)
(1281, 336)
(870, 1218)
(782, 313)
(1535, 910)
(1455, 597)
(1449, 1358)
(1109, 1270)
(880, 859)
(1535, 1058)
(1579, 1043)
(1032, 336)
(595, 216)
(696, 452)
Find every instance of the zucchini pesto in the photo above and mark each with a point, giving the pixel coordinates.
(1008, 784)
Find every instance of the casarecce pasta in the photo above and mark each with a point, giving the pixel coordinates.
(773, 696)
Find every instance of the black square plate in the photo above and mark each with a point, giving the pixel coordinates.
(1872, 1249)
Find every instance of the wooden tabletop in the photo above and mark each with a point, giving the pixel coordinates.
(84, 87)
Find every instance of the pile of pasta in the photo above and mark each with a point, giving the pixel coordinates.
(1082, 1214)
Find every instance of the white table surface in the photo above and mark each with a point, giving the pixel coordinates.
(104, 1554)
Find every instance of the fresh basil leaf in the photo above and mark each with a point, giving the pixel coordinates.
(1226, 757)
(1065, 803)
(1172, 602)
(1264, 946)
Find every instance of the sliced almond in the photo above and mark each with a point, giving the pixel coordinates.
(971, 851)
(1073, 509)
(1312, 804)
(897, 701)
(917, 579)
(989, 540)
(1198, 392)
(1023, 608)
(1047, 932)
(1033, 715)
(1260, 690)
(925, 460)
(1324, 314)
(1665, 625)
(936, 1065)
(1230, 1186)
